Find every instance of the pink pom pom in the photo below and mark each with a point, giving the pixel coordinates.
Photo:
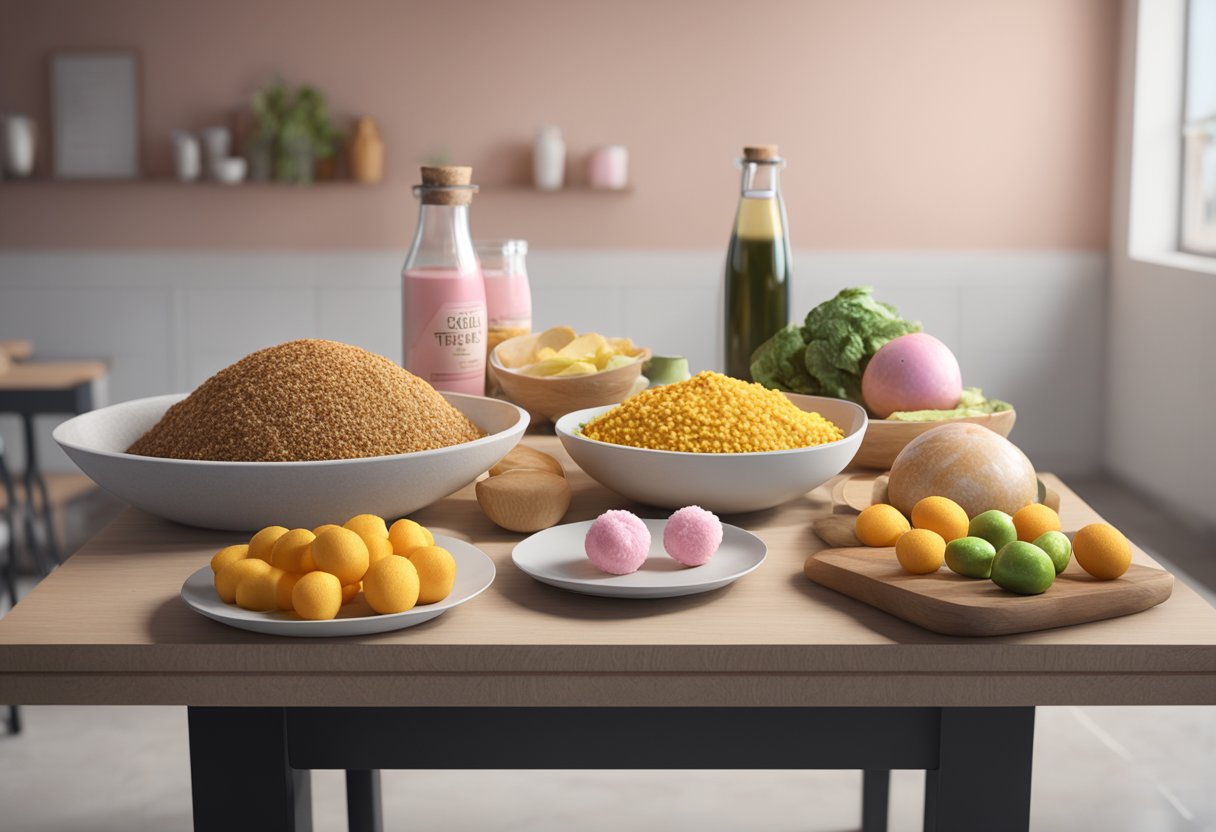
(617, 542)
(692, 535)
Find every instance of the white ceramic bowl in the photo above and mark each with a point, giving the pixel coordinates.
(249, 495)
(723, 483)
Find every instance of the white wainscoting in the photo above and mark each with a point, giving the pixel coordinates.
(1026, 325)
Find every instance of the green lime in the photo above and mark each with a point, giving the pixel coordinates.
(1023, 568)
(994, 526)
(970, 557)
(1057, 546)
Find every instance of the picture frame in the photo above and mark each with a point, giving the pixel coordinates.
(95, 114)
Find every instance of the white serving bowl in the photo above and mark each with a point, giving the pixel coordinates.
(724, 483)
(250, 495)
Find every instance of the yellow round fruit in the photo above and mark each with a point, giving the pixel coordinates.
(229, 554)
(406, 536)
(1102, 551)
(391, 585)
(921, 551)
(436, 573)
(317, 596)
(227, 579)
(941, 515)
(377, 548)
(350, 591)
(881, 525)
(367, 525)
(341, 553)
(317, 531)
(292, 552)
(260, 592)
(1034, 521)
(283, 589)
(262, 543)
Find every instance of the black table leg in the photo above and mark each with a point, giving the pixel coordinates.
(35, 480)
(363, 812)
(875, 796)
(240, 778)
(983, 776)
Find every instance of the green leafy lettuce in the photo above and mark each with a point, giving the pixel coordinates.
(827, 354)
(972, 403)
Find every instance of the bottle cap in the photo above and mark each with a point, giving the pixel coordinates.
(760, 153)
(446, 185)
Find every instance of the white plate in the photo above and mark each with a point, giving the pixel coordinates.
(474, 572)
(556, 557)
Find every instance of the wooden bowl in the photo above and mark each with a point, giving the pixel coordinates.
(886, 438)
(552, 398)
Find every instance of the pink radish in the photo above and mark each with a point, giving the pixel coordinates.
(912, 372)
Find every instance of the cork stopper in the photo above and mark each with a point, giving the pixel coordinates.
(760, 153)
(446, 185)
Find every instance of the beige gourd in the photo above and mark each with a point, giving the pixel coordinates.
(975, 467)
(525, 492)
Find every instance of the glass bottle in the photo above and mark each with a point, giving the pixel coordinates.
(757, 262)
(443, 293)
(508, 296)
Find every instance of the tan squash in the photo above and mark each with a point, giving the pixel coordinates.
(521, 456)
(970, 464)
(524, 499)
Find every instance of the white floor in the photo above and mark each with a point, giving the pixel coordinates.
(110, 769)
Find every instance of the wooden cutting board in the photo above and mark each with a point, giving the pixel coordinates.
(956, 606)
(953, 605)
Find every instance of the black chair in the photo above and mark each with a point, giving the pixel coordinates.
(8, 542)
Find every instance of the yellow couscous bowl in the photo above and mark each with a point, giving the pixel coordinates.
(727, 483)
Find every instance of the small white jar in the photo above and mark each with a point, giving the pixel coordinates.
(549, 159)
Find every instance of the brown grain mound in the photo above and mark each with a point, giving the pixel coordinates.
(307, 400)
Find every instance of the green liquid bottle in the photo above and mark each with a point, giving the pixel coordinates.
(757, 263)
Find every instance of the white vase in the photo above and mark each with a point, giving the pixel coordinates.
(217, 142)
(187, 161)
(549, 159)
(19, 145)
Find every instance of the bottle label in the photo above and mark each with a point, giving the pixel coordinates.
(450, 350)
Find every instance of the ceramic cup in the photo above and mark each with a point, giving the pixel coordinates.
(230, 171)
(608, 167)
(217, 143)
(187, 160)
(19, 141)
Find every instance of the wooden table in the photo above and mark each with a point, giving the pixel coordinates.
(770, 672)
(31, 389)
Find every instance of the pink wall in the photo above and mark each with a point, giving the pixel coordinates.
(929, 124)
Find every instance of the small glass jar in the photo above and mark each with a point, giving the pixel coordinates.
(508, 296)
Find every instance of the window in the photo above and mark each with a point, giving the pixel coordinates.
(1199, 131)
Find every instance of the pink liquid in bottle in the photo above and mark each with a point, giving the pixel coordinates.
(445, 328)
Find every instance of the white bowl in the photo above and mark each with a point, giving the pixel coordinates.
(724, 483)
(249, 495)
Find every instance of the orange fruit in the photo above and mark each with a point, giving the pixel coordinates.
(941, 515)
(292, 551)
(436, 573)
(1035, 520)
(341, 553)
(406, 536)
(391, 585)
(881, 525)
(230, 576)
(261, 544)
(317, 596)
(228, 555)
(1102, 551)
(920, 551)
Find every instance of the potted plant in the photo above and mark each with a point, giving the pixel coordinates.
(294, 133)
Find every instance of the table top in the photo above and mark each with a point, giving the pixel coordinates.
(109, 627)
(51, 375)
